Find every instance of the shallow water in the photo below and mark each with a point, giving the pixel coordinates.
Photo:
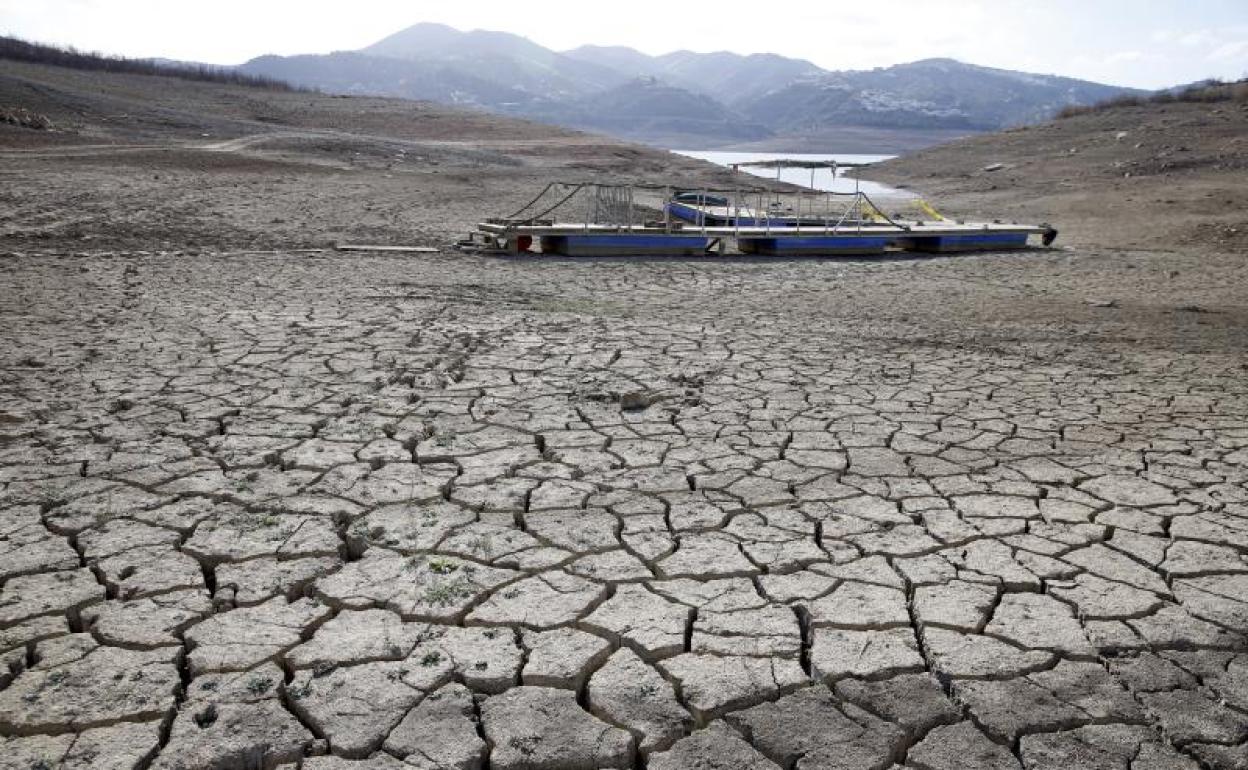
(819, 178)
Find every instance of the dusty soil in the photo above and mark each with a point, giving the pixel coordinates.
(267, 507)
(1169, 177)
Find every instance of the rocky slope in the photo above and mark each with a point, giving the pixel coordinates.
(758, 97)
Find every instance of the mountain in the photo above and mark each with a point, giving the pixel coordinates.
(664, 114)
(689, 99)
(933, 93)
(499, 57)
(728, 77)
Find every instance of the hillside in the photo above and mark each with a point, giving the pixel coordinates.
(144, 161)
(934, 93)
(770, 99)
(1140, 175)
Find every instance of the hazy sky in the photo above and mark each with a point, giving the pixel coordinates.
(1146, 43)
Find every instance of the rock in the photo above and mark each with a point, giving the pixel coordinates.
(542, 601)
(651, 625)
(258, 580)
(562, 657)
(431, 588)
(242, 638)
(90, 687)
(356, 707)
(540, 728)
(118, 747)
(1189, 716)
(48, 593)
(155, 621)
(717, 747)
(1070, 695)
(358, 636)
(712, 685)
(1128, 490)
(810, 730)
(837, 653)
(765, 632)
(915, 702)
(960, 747)
(486, 659)
(637, 400)
(972, 655)
(627, 692)
(994, 167)
(224, 736)
(440, 733)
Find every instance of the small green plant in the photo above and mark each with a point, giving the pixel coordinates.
(431, 658)
(258, 685)
(446, 594)
(442, 566)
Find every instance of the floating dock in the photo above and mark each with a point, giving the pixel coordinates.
(632, 220)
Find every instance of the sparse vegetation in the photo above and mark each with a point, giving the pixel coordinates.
(431, 658)
(14, 49)
(442, 566)
(1209, 92)
(259, 685)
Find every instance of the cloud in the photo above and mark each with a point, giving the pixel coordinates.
(1232, 50)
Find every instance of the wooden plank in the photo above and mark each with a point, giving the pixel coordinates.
(399, 249)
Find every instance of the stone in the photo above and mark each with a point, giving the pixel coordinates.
(765, 632)
(431, 588)
(811, 729)
(562, 657)
(960, 747)
(541, 728)
(1128, 490)
(440, 733)
(711, 685)
(356, 707)
(358, 636)
(95, 688)
(627, 692)
(651, 625)
(245, 637)
(122, 746)
(223, 736)
(542, 601)
(837, 653)
(154, 621)
(48, 593)
(915, 702)
(715, 748)
(972, 655)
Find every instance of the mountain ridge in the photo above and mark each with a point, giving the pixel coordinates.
(752, 97)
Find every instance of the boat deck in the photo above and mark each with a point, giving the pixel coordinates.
(677, 239)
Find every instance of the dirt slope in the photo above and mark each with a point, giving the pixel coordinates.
(1158, 176)
(148, 162)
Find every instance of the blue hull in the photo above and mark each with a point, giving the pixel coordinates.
(815, 245)
(624, 245)
(687, 214)
(968, 242)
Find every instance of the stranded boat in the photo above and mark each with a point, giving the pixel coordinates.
(590, 219)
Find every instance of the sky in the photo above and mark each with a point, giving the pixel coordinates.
(1142, 43)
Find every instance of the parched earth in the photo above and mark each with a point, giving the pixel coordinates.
(265, 507)
(331, 511)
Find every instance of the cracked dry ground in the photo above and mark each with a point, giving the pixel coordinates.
(334, 513)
